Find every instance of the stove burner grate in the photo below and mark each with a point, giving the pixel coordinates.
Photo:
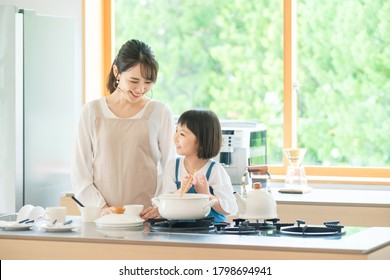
(242, 226)
(330, 228)
(165, 225)
(224, 228)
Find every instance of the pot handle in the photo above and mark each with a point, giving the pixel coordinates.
(210, 203)
(156, 201)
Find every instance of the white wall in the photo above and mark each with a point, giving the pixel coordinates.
(93, 53)
(60, 8)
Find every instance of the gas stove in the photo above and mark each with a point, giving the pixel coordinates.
(268, 227)
(195, 226)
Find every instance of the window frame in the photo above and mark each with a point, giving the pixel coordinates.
(316, 174)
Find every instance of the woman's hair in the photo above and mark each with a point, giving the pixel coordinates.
(132, 53)
(207, 129)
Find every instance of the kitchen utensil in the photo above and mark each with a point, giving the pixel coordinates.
(119, 221)
(23, 221)
(36, 214)
(259, 204)
(57, 228)
(13, 225)
(90, 213)
(185, 189)
(188, 206)
(243, 183)
(77, 201)
(133, 209)
(55, 213)
(24, 212)
(296, 175)
(259, 173)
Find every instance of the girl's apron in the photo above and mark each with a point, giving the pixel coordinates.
(218, 217)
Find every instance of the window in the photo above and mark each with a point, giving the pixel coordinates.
(238, 59)
(343, 69)
(214, 54)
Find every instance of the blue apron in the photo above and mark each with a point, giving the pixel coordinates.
(218, 217)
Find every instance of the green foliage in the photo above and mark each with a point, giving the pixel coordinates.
(344, 70)
(227, 55)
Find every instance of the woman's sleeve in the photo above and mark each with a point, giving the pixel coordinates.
(81, 166)
(169, 180)
(165, 137)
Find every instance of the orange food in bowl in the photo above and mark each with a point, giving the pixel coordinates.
(118, 209)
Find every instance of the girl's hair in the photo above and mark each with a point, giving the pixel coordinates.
(132, 53)
(207, 129)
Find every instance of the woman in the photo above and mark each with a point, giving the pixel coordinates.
(198, 139)
(124, 140)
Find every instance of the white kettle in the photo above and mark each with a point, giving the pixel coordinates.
(258, 205)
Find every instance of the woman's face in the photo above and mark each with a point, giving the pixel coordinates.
(132, 84)
(185, 141)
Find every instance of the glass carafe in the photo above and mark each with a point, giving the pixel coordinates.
(296, 175)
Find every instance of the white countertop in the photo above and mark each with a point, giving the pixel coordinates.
(372, 198)
(355, 241)
(330, 195)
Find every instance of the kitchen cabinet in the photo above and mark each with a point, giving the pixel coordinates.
(88, 242)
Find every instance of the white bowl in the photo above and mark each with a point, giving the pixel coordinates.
(36, 213)
(187, 207)
(24, 212)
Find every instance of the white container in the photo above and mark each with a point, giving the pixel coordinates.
(187, 207)
(55, 214)
(90, 213)
(133, 209)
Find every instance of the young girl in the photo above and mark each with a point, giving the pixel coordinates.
(198, 139)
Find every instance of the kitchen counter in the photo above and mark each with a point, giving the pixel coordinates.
(352, 207)
(341, 197)
(355, 206)
(88, 242)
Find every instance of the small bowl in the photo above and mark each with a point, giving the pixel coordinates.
(24, 212)
(36, 213)
(133, 209)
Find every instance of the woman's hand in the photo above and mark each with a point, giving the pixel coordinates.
(106, 210)
(150, 213)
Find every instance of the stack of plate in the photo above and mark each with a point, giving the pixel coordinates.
(26, 218)
(12, 225)
(119, 221)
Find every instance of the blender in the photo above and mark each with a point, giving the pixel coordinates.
(296, 175)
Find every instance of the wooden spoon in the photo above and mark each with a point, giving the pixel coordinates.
(186, 188)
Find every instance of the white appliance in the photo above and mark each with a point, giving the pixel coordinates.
(40, 102)
(243, 143)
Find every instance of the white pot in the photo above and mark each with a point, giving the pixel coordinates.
(187, 207)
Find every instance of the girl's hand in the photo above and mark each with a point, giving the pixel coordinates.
(201, 184)
(186, 183)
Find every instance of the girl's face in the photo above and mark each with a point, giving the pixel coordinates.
(185, 141)
(132, 84)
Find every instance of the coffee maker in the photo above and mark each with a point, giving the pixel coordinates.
(243, 144)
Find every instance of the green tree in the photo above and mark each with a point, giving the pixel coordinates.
(227, 55)
(344, 68)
